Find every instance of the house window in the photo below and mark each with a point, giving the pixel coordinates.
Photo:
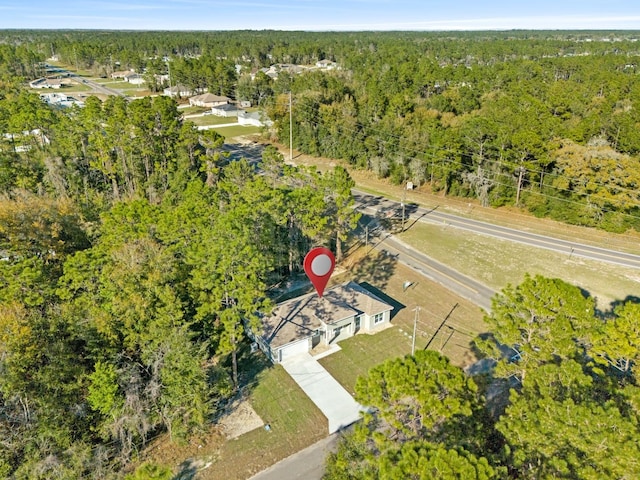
(378, 318)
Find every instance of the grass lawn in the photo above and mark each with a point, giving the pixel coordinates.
(194, 109)
(76, 87)
(295, 424)
(137, 92)
(499, 262)
(119, 85)
(239, 131)
(211, 120)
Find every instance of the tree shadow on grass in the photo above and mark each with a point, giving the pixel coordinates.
(617, 303)
(187, 470)
(376, 268)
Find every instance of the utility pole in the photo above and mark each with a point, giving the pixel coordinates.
(290, 129)
(404, 200)
(415, 325)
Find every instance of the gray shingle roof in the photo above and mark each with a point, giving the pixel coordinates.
(299, 317)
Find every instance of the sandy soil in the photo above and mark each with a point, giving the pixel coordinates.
(242, 418)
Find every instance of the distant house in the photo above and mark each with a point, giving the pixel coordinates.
(226, 110)
(326, 64)
(208, 100)
(48, 83)
(178, 91)
(134, 78)
(299, 324)
(60, 100)
(274, 70)
(121, 74)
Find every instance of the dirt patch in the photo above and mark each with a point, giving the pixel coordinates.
(242, 418)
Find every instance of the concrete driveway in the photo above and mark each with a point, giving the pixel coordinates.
(331, 398)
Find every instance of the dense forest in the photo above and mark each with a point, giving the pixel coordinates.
(546, 121)
(133, 253)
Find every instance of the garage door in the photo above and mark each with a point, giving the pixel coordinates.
(294, 348)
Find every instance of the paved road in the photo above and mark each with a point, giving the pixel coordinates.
(464, 286)
(380, 207)
(97, 87)
(307, 464)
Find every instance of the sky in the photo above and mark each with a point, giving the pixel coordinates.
(321, 15)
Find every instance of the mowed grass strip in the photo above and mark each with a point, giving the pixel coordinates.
(239, 131)
(497, 263)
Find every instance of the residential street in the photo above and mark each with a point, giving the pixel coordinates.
(462, 285)
(307, 464)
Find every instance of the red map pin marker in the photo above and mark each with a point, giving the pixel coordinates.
(318, 265)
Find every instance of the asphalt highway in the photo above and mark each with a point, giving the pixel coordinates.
(379, 207)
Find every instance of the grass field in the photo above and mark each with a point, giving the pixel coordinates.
(239, 131)
(499, 262)
(119, 85)
(386, 277)
(211, 120)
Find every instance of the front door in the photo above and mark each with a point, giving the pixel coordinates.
(357, 323)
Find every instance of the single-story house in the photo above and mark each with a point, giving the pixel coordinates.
(226, 110)
(60, 100)
(48, 83)
(255, 119)
(326, 64)
(300, 324)
(121, 74)
(208, 100)
(134, 78)
(178, 91)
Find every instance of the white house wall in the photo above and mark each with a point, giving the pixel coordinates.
(368, 321)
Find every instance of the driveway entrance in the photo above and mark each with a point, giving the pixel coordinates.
(331, 398)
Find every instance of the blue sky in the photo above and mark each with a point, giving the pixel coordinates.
(321, 14)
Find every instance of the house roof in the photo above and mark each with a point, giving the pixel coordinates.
(121, 73)
(177, 89)
(300, 317)
(210, 97)
(226, 107)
